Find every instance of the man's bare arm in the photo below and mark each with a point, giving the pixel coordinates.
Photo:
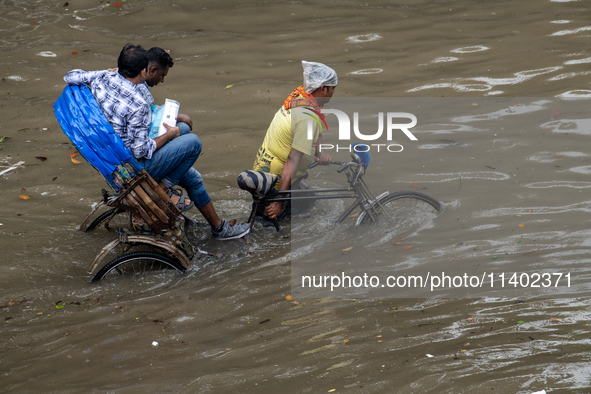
(289, 171)
(323, 158)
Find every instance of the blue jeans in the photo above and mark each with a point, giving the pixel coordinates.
(173, 165)
(184, 128)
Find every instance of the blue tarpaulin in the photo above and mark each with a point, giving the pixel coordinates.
(82, 120)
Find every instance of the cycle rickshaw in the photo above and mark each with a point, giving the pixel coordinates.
(153, 221)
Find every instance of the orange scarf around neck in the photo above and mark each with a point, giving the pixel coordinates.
(306, 100)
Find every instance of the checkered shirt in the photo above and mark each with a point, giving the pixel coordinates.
(123, 105)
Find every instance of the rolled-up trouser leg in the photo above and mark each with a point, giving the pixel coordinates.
(193, 184)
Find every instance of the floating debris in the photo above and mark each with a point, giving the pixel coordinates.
(47, 54)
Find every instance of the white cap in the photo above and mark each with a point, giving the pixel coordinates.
(318, 74)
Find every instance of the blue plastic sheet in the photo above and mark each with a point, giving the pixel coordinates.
(82, 120)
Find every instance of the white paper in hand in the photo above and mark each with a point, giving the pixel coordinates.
(166, 113)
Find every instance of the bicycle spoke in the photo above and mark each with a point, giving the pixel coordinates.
(137, 263)
(401, 206)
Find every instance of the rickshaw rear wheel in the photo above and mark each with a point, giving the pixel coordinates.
(137, 263)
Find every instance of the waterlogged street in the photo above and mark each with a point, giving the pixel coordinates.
(498, 90)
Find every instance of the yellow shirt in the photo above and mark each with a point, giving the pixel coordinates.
(288, 129)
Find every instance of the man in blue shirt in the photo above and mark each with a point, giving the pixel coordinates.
(168, 158)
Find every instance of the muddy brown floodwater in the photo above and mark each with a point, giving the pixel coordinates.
(225, 326)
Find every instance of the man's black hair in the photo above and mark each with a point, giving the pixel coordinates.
(160, 57)
(132, 60)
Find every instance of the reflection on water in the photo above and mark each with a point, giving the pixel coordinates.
(364, 38)
(484, 84)
(471, 49)
(575, 31)
(579, 93)
(366, 71)
(444, 59)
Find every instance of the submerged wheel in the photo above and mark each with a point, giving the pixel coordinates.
(137, 263)
(103, 217)
(396, 204)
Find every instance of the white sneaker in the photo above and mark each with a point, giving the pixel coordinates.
(231, 232)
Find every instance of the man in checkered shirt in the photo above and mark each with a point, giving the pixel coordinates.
(168, 158)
